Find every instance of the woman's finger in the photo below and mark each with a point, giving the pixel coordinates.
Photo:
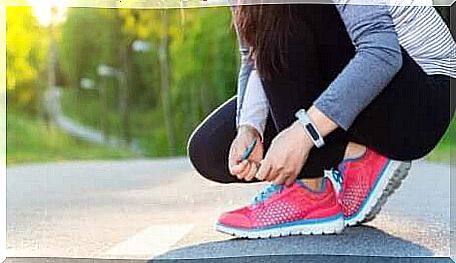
(233, 160)
(273, 173)
(246, 171)
(264, 170)
(290, 181)
(252, 172)
(280, 179)
(231, 163)
(237, 169)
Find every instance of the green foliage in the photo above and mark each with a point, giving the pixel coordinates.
(446, 149)
(26, 50)
(204, 62)
(88, 39)
(203, 58)
(31, 140)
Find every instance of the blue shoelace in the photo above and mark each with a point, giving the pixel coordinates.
(267, 193)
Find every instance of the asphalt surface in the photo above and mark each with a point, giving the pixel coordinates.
(162, 209)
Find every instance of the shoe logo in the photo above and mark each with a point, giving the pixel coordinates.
(336, 179)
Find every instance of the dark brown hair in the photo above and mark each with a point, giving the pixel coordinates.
(265, 29)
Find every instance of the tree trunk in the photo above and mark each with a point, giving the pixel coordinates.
(124, 92)
(52, 61)
(165, 83)
(103, 95)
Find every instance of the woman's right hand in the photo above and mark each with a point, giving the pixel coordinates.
(245, 170)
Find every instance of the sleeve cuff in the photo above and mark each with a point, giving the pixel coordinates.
(260, 127)
(334, 113)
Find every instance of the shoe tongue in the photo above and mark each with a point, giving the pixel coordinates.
(341, 166)
(336, 179)
(308, 189)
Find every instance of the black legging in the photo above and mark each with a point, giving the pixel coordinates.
(404, 122)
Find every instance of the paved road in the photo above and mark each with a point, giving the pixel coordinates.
(144, 209)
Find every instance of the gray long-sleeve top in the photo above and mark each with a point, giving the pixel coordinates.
(377, 60)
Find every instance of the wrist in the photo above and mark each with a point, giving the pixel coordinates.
(303, 135)
(323, 123)
(248, 129)
(311, 129)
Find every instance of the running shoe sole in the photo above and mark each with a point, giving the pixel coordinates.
(333, 225)
(387, 183)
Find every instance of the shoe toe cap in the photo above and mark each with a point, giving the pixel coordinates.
(237, 218)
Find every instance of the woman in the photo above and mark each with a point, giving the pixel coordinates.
(364, 89)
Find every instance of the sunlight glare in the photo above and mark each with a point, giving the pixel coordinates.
(42, 10)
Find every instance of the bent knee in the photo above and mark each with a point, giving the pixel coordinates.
(195, 151)
(201, 156)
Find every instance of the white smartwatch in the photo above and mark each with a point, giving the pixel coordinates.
(310, 128)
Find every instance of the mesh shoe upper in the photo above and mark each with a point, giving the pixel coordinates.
(360, 176)
(286, 204)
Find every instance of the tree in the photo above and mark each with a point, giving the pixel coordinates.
(139, 24)
(205, 59)
(26, 51)
(190, 69)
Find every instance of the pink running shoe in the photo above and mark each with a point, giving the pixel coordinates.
(368, 181)
(284, 211)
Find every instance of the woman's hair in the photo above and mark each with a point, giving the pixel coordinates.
(265, 29)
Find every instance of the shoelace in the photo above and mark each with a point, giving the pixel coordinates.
(267, 193)
(333, 175)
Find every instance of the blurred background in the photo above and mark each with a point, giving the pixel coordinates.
(94, 83)
(87, 83)
(125, 88)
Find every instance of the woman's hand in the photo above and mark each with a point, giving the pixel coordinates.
(245, 169)
(286, 156)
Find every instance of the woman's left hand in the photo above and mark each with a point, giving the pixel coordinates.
(286, 156)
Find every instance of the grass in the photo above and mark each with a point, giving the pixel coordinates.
(31, 140)
(446, 149)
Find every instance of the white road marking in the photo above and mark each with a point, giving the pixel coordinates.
(150, 242)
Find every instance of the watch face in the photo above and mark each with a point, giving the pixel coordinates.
(312, 132)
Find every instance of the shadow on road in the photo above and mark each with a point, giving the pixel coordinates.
(356, 245)
(358, 241)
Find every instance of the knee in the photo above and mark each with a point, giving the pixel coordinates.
(209, 144)
(201, 154)
(195, 150)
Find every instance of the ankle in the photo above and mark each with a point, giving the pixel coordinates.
(354, 150)
(313, 184)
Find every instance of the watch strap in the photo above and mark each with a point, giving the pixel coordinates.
(310, 128)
